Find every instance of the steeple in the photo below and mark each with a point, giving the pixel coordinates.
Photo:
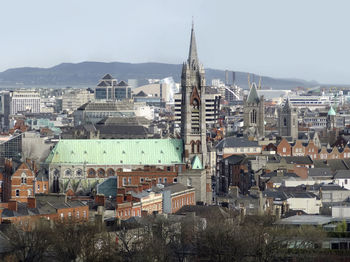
(253, 95)
(192, 56)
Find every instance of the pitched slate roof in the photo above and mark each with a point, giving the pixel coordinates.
(253, 95)
(236, 142)
(342, 174)
(108, 187)
(107, 76)
(320, 172)
(122, 83)
(305, 160)
(333, 164)
(117, 152)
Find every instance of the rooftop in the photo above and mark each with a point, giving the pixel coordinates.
(117, 152)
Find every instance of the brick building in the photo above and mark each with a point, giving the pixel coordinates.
(50, 207)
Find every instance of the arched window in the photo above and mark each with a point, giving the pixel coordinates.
(110, 172)
(91, 172)
(192, 147)
(23, 178)
(101, 172)
(198, 146)
(17, 192)
(253, 116)
(285, 121)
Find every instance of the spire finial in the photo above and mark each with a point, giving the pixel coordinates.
(192, 22)
(192, 56)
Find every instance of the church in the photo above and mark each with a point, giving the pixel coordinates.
(78, 165)
(254, 114)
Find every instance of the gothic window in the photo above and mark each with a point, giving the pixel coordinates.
(68, 172)
(192, 147)
(198, 146)
(79, 172)
(23, 178)
(285, 121)
(195, 104)
(253, 116)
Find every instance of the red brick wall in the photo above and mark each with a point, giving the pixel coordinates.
(284, 144)
(136, 176)
(182, 200)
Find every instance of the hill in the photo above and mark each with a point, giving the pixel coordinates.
(88, 74)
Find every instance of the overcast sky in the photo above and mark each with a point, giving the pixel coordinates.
(306, 39)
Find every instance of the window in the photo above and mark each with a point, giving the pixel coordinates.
(142, 179)
(284, 150)
(124, 181)
(285, 121)
(17, 193)
(175, 180)
(101, 172)
(23, 178)
(38, 188)
(29, 192)
(84, 214)
(129, 180)
(62, 215)
(79, 172)
(44, 187)
(68, 172)
(78, 215)
(69, 214)
(159, 180)
(165, 179)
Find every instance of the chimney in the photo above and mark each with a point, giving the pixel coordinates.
(154, 182)
(129, 197)
(100, 200)
(120, 199)
(31, 202)
(121, 190)
(12, 205)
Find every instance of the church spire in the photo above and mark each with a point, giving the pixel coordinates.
(192, 56)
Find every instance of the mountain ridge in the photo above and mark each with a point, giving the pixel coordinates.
(90, 72)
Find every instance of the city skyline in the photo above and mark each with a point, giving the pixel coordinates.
(282, 40)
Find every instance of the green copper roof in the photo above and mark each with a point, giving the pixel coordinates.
(117, 152)
(331, 112)
(253, 95)
(196, 163)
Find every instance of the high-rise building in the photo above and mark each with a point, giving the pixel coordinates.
(5, 107)
(25, 101)
(108, 89)
(75, 98)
